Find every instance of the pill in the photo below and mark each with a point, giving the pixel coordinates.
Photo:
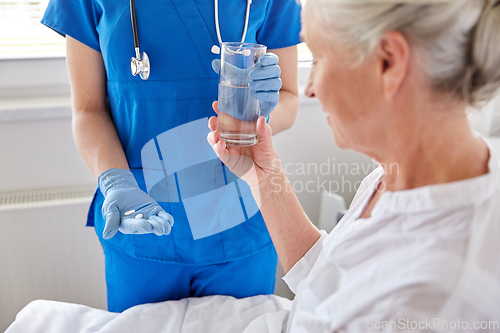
(129, 212)
(138, 216)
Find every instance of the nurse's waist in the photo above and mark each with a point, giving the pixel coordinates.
(163, 90)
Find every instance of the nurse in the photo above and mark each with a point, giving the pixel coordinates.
(145, 141)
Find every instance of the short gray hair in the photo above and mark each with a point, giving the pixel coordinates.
(459, 40)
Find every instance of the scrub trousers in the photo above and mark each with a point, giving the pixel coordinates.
(131, 281)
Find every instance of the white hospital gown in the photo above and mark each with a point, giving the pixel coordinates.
(426, 260)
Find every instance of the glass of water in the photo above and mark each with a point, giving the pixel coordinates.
(238, 110)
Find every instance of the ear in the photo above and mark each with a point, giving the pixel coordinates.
(393, 53)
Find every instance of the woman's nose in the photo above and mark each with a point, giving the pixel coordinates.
(309, 91)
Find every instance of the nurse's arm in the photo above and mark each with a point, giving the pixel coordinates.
(93, 130)
(283, 116)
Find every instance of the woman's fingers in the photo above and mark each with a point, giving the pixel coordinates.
(264, 131)
(241, 160)
(220, 148)
(218, 145)
(215, 106)
(213, 137)
(212, 123)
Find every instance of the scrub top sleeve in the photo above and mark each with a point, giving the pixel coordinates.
(303, 267)
(75, 18)
(281, 27)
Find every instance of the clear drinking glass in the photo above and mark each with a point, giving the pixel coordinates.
(238, 110)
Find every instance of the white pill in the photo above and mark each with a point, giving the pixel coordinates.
(138, 216)
(129, 212)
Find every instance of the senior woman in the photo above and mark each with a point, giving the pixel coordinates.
(420, 241)
(418, 248)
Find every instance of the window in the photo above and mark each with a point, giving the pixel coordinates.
(22, 35)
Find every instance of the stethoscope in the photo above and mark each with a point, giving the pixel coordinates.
(140, 63)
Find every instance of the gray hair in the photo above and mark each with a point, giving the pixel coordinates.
(458, 40)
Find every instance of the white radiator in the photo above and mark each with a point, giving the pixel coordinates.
(47, 252)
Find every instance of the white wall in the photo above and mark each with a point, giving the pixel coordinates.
(47, 253)
(28, 78)
(40, 154)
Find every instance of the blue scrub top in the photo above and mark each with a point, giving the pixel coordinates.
(162, 122)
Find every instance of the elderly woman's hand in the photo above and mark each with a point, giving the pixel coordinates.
(256, 164)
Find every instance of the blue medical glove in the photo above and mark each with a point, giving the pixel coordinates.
(123, 195)
(264, 80)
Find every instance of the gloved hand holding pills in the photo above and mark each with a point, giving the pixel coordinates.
(128, 209)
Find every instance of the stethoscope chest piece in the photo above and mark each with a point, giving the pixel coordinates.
(140, 65)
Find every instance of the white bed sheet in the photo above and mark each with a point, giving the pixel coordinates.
(217, 314)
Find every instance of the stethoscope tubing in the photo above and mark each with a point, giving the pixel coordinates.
(134, 24)
(141, 66)
(245, 27)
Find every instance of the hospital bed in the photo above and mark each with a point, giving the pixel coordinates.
(217, 314)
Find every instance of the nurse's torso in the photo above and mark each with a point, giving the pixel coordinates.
(162, 125)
